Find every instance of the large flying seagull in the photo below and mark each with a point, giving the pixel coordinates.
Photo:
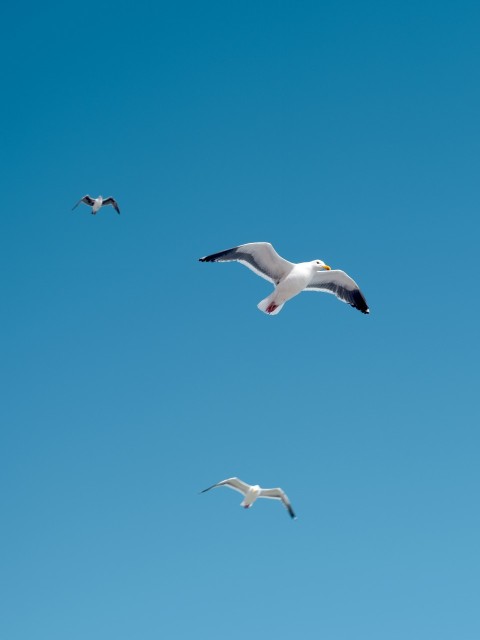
(252, 492)
(290, 278)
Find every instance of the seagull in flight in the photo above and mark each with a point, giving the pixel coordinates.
(289, 278)
(98, 203)
(252, 492)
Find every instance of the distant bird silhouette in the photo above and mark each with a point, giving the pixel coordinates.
(98, 203)
(252, 492)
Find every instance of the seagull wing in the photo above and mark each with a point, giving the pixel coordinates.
(87, 200)
(260, 257)
(112, 202)
(233, 483)
(278, 494)
(341, 285)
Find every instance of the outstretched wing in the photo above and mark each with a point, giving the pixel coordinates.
(86, 199)
(233, 483)
(341, 285)
(260, 257)
(278, 494)
(111, 201)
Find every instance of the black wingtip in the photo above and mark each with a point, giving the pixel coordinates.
(207, 489)
(217, 257)
(359, 302)
(364, 311)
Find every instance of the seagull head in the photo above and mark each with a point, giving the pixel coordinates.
(319, 265)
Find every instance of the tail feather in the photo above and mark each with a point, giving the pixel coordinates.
(264, 304)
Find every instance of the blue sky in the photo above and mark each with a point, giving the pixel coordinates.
(133, 376)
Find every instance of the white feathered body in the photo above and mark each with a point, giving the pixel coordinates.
(251, 495)
(293, 284)
(97, 204)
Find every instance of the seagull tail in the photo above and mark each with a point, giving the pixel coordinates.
(268, 305)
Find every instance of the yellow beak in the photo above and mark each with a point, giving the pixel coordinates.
(327, 268)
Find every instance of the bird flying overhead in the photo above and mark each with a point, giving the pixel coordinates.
(252, 492)
(98, 203)
(289, 278)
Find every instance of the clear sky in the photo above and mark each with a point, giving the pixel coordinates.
(133, 376)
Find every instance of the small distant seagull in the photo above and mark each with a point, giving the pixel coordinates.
(252, 492)
(290, 278)
(98, 203)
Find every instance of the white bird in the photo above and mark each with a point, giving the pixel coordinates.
(98, 203)
(252, 492)
(290, 278)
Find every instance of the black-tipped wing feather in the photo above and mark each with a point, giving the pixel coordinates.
(340, 285)
(278, 494)
(233, 483)
(112, 202)
(260, 257)
(86, 199)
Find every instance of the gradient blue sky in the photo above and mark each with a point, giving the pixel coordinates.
(133, 376)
